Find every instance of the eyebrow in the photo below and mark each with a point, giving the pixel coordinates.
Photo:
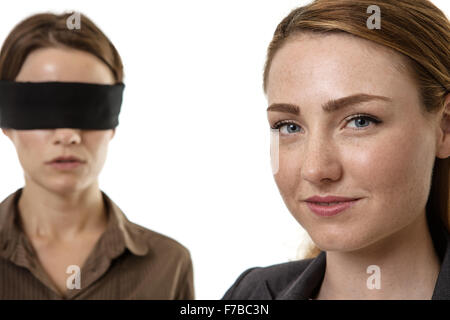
(329, 106)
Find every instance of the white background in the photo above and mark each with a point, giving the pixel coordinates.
(190, 158)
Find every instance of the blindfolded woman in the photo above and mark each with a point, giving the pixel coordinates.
(61, 236)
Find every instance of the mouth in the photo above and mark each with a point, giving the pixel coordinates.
(328, 209)
(65, 163)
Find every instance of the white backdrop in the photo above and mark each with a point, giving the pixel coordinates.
(190, 158)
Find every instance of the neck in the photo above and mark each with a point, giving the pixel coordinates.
(407, 260)
(48, 215)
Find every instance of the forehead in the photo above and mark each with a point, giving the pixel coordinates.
(338, 64)
(63, 64)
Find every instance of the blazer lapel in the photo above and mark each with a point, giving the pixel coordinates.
(442, 288)
(305, 284)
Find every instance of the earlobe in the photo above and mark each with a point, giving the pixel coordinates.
(5, 132)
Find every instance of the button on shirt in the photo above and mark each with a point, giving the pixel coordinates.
(127, 262)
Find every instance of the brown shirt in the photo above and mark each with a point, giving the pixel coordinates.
(127, 262)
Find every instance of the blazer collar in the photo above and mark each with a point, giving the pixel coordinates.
(309, 281)
(442, 245)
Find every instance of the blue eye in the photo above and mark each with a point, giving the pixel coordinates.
(290, 128)
(364, 119)
(287, 127)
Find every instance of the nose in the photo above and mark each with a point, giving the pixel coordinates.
(67, 136)
(320, 161)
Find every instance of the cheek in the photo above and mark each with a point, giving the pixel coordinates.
(28, 140)
(396, 169)
(29, 148)
(98, 147)
(288, 175)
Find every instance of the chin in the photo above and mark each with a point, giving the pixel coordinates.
(338, 241)
(64, 187)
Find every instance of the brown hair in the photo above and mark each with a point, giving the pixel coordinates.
(50, 30)
(416, 29)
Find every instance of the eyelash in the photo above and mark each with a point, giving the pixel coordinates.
(281, 123)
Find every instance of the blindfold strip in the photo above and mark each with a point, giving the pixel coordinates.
(50, 105)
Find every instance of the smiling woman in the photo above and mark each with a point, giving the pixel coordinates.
(61, 237)
(361, 123)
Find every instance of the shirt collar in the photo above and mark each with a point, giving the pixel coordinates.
(124, 231)
(120, 233)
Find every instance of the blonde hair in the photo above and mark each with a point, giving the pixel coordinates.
(416, 29)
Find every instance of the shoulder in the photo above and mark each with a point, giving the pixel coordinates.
(157, 243)
(266, 282)
(143, 241)
(164, 265)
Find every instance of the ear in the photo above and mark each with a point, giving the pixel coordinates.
(113, 133)
(443, 150)
(7, 132)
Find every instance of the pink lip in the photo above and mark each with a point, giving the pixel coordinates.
(65, 165)
(332, 210)
(329, 199)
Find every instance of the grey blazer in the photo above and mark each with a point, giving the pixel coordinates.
(301, 280)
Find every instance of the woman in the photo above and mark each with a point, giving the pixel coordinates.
(361, 116)
(61, 237)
